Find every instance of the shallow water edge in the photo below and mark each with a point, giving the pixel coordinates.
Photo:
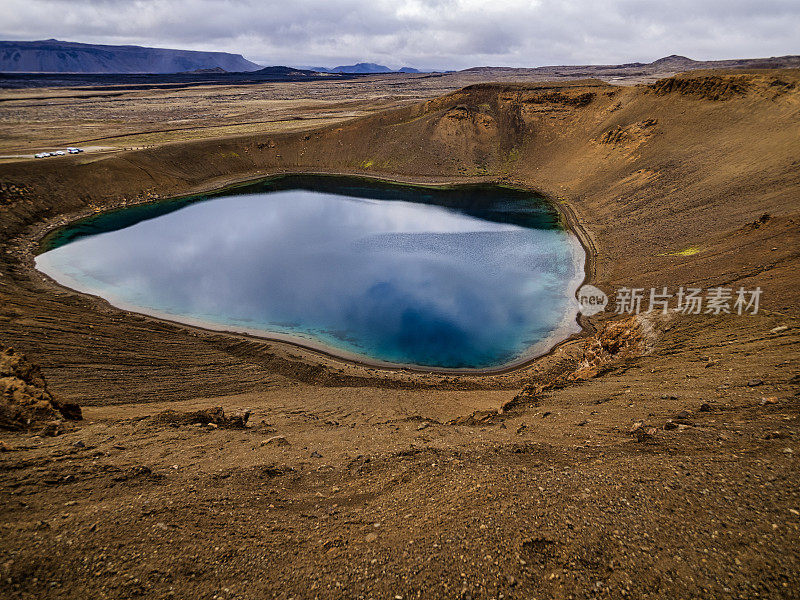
(582, 254)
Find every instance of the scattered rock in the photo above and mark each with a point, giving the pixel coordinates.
(78, 444)
(641, 432)
(69, 410)
(670, 424)
(615, 339)
(316, 454)
(479, 417)
(779, 329)
(684, 414)
(239, 420)
(705, 407)
(529, 396)
(53, 428)
(134, 472)
(5, 447)
(770, 400)
(278, 440)
(371, 537)
(582, 423)
(212, 417)
(754, 382)
(649, 434)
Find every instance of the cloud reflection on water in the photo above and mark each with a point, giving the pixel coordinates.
(395, 280)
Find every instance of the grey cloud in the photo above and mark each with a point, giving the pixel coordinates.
(422, 33)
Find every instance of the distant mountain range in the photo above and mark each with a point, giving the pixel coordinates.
(361, 68)
(661, 67)
(85, 60)
(54, 56)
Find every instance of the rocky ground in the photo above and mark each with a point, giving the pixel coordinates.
(26, 402)
(673, 474)
(654, 456)
(115, 117)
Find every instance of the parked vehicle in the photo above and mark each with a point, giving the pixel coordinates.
(70, 150)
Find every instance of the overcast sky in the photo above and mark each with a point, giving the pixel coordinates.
(443, 34)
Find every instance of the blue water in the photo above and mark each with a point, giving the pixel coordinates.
(472, 277)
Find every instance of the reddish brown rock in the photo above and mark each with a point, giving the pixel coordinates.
(25, 400)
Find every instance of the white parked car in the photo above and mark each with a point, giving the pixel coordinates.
(60, 153)
(40, 155)
(74, 150)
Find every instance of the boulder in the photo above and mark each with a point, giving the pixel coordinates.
(25, 401)
(212, 417)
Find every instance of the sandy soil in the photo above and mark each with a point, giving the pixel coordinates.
(53, 118)
(126, 117)
(657, 461)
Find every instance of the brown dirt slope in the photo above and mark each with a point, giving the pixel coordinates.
(690, 161)
(690, 181)
(655, 458)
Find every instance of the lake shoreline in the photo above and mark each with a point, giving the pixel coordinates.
(564, 332)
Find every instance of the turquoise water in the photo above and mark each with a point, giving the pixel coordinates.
(470, 277)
